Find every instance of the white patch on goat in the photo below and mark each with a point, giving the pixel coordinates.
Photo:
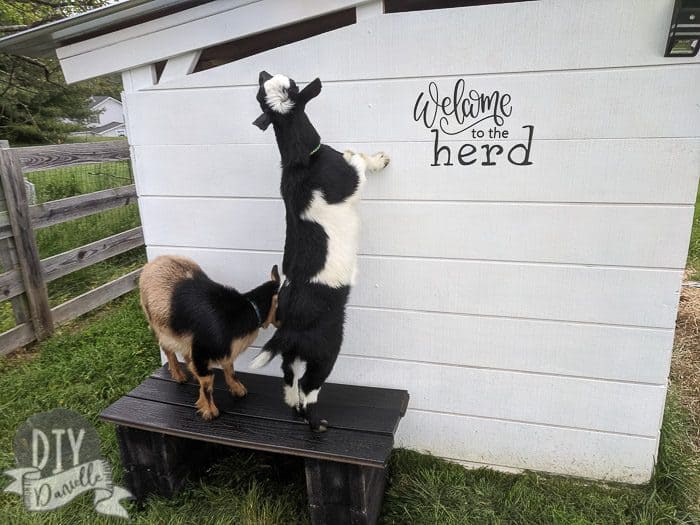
(310, 398)
(276, 94)
(291, 393)
(262, 359)
(341, 223)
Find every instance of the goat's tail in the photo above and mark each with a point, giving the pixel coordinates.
(271, 349)
(262, 359)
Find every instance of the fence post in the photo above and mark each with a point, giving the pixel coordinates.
(8, 259)
(25, 243)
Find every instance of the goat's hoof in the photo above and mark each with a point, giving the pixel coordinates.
(383, 158)
(207, 411)
(209, 414)
(178, 376)
(239, 390)
(321, 427)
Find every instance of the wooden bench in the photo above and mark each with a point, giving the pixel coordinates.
(162, 440)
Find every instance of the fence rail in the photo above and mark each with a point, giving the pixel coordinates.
(25, 277)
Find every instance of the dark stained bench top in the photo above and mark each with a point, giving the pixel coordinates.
(362, 420)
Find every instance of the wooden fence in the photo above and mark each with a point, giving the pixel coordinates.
(25, 275)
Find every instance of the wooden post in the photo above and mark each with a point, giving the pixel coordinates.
(25, 243)
(343, 493)
(8, 259)
(156, 463)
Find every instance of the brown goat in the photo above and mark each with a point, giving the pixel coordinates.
(204, 321)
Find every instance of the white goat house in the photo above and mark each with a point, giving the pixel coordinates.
(521, 257)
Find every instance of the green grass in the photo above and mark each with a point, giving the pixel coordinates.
(60, 183)
(93, 362)
(694, 248)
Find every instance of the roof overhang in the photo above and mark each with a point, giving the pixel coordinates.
(43, 40)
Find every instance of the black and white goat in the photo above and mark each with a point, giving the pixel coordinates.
(207, 322)
(321, 188)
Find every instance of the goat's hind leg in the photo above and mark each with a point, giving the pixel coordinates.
(174, 366)
(205, 403)
(234, 385)
(309, 388)
(293, 369)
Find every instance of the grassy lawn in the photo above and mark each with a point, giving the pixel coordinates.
(60, 183)
(94, 361)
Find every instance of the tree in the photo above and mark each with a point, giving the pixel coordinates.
(36, 105)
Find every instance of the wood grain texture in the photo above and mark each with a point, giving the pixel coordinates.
(37, 158)
(342, 494)
(11, 280)
(25, 244)
(156, 463)
(265, 400)
(89, 254)
(641, 235)
(335, 394)
(603, 295)
(16, 337)
(451, 42)
(595, 171)
(251, 432)
(62, 210)
(382, 111)
(96, 297)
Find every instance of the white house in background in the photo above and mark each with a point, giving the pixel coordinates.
(521, 257)
(109, 117)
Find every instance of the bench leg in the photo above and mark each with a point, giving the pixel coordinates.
(342, 493)
(156, 463)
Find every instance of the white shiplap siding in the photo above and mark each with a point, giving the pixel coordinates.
(528, 310)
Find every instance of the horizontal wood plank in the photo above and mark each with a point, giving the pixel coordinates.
(640, 235)
(265, 400)
(96, 297)
(37, 158)
(62, 210)
(334, 394)
(251, 432)
(382, 111)
(616, 353)
(604, 295)
(127, 48)
(591, 404)
(589, 454)
(16, 338)
(596, 171)
(456, 45)
(11, 284)
(89, 254)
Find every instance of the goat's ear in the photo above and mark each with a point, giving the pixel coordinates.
(275, 274)
(263, 77)
(311, 90)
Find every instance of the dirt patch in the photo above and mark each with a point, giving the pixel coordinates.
(685, 365)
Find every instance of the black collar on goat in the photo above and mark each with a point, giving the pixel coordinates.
(283, 106)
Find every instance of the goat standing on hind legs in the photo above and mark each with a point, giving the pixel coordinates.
(321, 188)
(207, 322)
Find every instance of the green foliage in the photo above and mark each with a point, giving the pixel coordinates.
(88, 365)
(35, 104)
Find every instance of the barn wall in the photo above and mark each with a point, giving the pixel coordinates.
(528, 309)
